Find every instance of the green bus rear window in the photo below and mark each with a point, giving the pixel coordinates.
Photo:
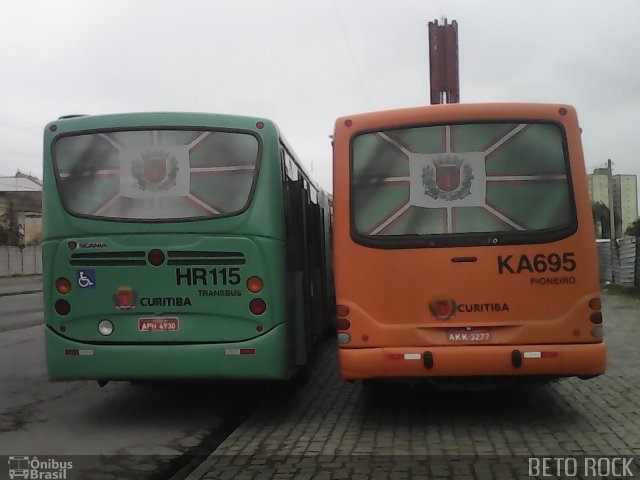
(461, 179)
(160, 175)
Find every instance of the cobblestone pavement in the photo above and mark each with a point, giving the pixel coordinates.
(332, 429)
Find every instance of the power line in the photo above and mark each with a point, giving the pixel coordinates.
(354, 60)
(19, 123)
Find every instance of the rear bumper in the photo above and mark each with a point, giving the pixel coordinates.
(129, 362)
(481, 360)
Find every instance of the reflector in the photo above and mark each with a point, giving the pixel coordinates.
(156, 257)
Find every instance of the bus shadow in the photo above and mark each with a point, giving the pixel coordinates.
(522, 403)
(178, 402)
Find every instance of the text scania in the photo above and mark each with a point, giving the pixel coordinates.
(540, 263)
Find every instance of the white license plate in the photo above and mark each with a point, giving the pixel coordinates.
(158, 324)
(461, 335)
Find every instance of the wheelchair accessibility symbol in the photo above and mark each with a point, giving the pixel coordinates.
(86, 278)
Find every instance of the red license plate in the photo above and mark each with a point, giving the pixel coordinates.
(462, 335)
(162, 324)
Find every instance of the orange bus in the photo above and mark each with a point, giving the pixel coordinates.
(464, 244)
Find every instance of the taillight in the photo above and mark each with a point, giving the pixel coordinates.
(63, 285)
(257, 306)
(62, 307)
(344, 338)
(596, 317)
(343, 324)
(595, 303)
(156, 257)
(342, 310)
(255, 284)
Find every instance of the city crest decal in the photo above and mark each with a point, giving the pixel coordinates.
(156, 170)
(125, 298)
(442, 307)
(447, 178)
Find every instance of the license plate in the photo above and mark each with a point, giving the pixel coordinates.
(461, 335)
(162, 324)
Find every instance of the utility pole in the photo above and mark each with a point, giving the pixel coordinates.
(443, 62)
(612, 221)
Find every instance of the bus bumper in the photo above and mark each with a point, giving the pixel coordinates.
(584, 360)
(72, 360)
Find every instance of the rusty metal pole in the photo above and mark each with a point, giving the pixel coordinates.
(443, 62)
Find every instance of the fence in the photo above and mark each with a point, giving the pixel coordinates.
(20, 261)
(625, 270)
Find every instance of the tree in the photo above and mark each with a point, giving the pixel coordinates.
(602, 223)
(633, 230)
(9, 226)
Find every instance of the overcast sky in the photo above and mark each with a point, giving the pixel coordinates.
(304, 63)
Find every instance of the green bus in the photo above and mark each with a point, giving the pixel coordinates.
(181, 245)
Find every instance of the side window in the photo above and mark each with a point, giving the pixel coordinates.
(294, 213)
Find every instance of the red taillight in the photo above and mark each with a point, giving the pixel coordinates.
(595, 304)
(596, 317)
(343, 324)
(260, 125)
(247, 351)
(156, 257)
(63, 307)
(342, 310)
(254, 284)
(257, 306)
(63, 285)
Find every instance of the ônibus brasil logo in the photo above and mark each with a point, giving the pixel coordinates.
(37, 469)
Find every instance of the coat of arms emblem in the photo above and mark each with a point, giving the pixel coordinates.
(125, 298)
(443, 308)
(448, 178)
(155, 170)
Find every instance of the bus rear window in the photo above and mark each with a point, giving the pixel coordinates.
(475, 180)
(160, 175)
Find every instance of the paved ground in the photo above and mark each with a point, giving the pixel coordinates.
(20, 284)
(333, 429)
